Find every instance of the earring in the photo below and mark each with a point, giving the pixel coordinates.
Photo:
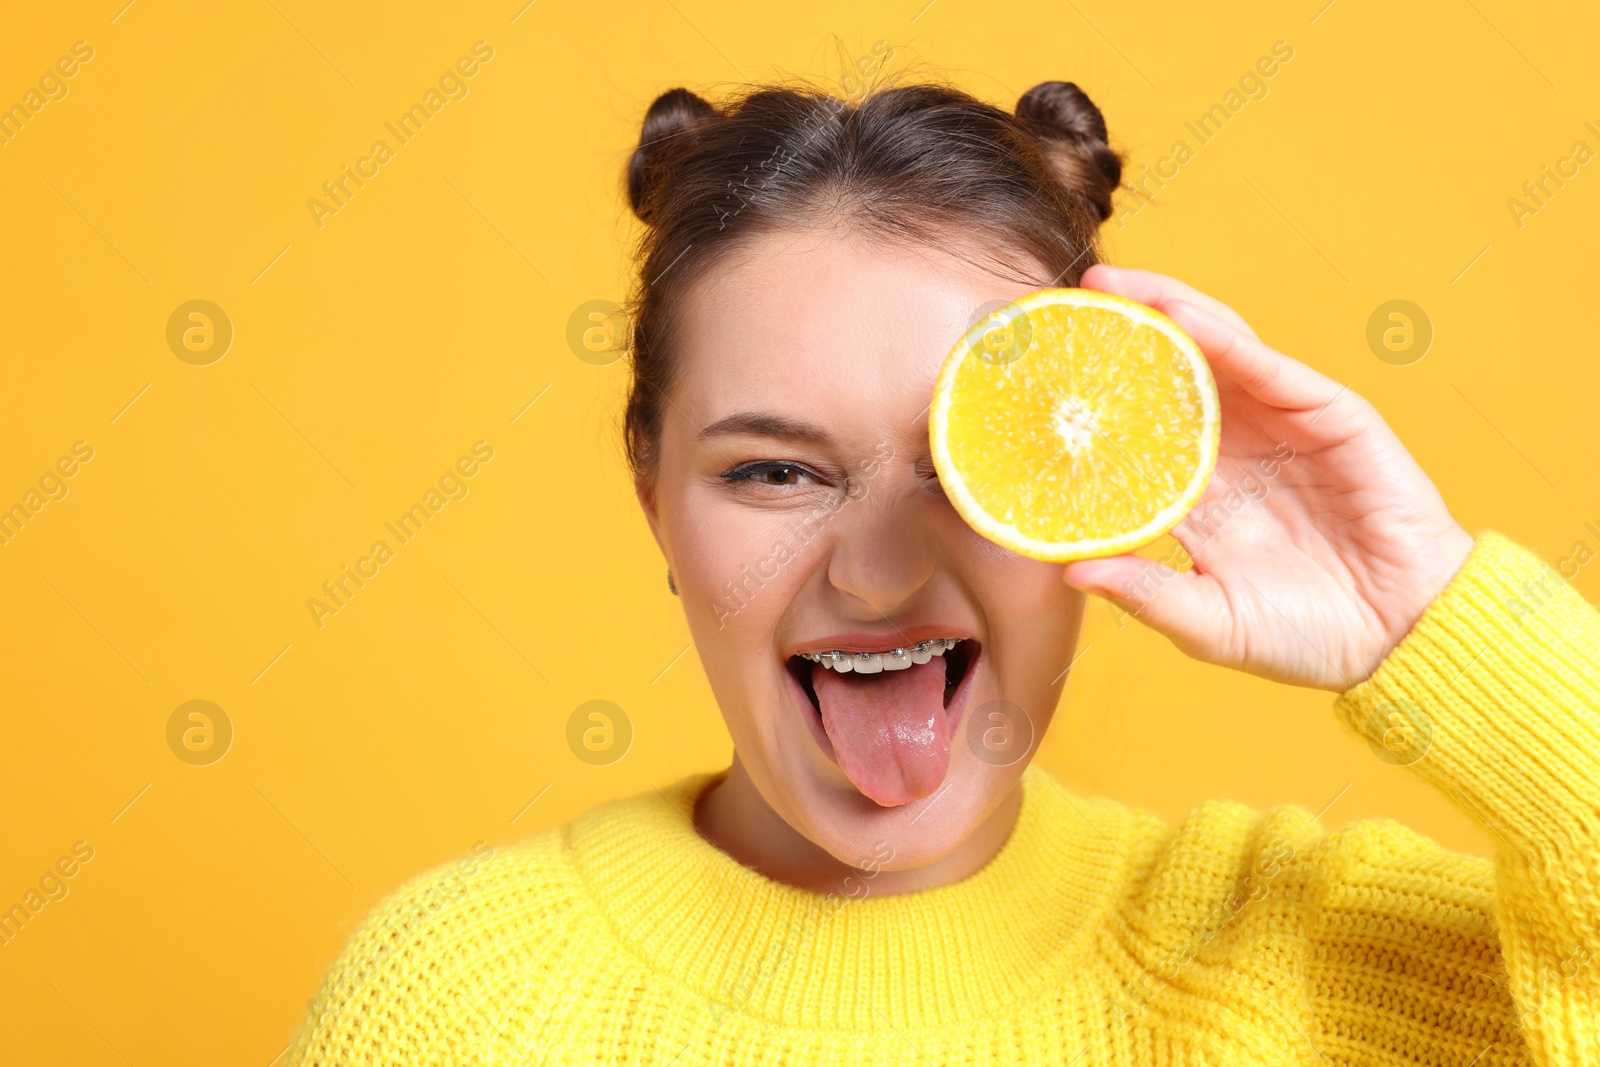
(670, 586)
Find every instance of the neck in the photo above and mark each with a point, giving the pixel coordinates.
(737, 819)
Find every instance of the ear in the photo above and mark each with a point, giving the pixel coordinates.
(644, 487)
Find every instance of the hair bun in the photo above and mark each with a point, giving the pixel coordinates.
(674, 112)
(1063, 110)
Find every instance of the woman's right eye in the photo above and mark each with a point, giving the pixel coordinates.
(780, 475)
(768, 473)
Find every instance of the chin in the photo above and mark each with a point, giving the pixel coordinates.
(857, 832)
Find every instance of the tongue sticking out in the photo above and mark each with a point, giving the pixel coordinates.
(888, 730)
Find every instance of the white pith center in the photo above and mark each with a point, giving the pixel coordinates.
(1076, 424)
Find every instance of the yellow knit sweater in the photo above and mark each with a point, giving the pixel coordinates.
(1098, 934)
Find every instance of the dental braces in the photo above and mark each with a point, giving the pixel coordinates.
(937, 644)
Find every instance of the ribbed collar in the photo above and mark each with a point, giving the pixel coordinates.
(979, 948)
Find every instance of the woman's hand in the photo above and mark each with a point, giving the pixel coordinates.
(1317, 543)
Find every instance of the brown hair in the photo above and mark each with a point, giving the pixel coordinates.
(920, 162)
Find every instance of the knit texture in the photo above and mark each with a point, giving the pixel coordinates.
(1099, 934)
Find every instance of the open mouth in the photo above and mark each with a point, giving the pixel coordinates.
(957, 655)
(886, 715)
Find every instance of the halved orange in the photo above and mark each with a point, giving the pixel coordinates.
(1071, 423)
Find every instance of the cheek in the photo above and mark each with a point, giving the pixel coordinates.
(1032, 618)
(1030, 606)
(739, 568)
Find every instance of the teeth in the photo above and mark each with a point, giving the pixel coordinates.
(894, 659)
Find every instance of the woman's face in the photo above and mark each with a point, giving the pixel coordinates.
(797, 504)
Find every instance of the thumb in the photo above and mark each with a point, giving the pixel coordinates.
(1174, 603)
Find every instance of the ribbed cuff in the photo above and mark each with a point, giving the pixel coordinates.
(1494, 698)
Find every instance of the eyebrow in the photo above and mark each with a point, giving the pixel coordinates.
(766, 424)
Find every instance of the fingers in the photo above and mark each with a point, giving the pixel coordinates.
(1156, 290)
(1236, 354)
(1182, 605)
(1245, 361)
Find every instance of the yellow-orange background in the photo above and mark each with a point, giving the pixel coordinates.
(372, 352)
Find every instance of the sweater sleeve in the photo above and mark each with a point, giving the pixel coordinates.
(1493, 698)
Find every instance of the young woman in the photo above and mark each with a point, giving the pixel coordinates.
(864, 885)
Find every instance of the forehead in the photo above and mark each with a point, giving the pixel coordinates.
(848, 330)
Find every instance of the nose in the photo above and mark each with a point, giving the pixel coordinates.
(882, 552)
